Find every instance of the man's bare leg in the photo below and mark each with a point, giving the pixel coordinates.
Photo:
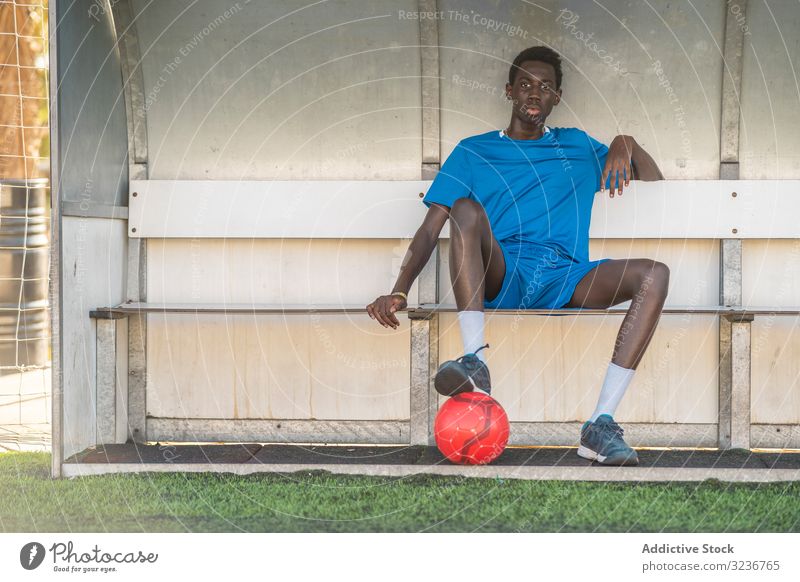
(477, 266)
(642, 280)
(645, 282)
(477, 269)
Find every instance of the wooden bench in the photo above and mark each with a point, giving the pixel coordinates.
(728, 211)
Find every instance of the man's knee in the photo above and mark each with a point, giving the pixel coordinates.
(466, 214)
(655, 274)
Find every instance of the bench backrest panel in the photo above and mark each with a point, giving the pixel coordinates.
(393, 209)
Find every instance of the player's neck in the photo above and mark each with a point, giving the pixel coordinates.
(520, 130)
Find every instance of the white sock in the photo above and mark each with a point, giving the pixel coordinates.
(614, 387)
(471, 323)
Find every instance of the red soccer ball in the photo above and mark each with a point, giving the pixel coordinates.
(471, 428)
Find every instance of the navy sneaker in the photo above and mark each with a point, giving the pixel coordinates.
(601, 441)
(464, 374)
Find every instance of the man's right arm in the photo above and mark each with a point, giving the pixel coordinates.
(419, 251)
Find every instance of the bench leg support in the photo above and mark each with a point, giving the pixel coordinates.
(105, 403)
(111, 402)
(137, 328)
(424, 362)
(734, 374)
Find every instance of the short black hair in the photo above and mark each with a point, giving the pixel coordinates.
(536, 53)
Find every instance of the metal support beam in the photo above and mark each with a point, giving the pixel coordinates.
(731, 90)
(433, 366)
(133, 85)
(425, 333)
(428, 280)
(425, 357)
(137, 341)
(137, 379)
(734, 351)
(729, 170)
(106, 400)
(94, 211)
(740, 385)
(734, 372)
(429, 55)
(136, 288)
(111, 402)
(730, 273)
(424, 363)
(725, 383)
(420, 356)
(56, 292)
(734, 338)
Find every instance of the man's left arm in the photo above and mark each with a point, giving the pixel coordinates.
(643, 166)
(626, 161)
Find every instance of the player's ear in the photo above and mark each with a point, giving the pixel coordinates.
(558, 97)
(508, 91)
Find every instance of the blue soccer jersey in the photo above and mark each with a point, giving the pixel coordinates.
(538, 196)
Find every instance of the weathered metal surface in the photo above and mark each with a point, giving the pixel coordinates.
(93, 144)
(769, 140)
(137, 378)
(653, 72)
(94, 210)
(106, 403)
(731, 85)
(276, 431)
(420, 356)
(740, 385)
(215, 71)
(429, 55)
(730, 272)
(133, 82)
(56, 251)
(775, 436)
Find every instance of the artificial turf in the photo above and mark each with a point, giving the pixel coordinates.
(322, 502)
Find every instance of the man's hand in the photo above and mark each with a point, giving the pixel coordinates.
(383, 309)
(618, 164)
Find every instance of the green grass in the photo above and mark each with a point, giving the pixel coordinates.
(320, 502)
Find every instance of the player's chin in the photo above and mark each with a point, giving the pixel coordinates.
(534, 119)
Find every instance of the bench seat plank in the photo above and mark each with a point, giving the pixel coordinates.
(414, 312)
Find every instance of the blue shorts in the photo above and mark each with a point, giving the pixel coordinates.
(538, 277)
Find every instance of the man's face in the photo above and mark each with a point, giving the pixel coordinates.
(533, 93)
